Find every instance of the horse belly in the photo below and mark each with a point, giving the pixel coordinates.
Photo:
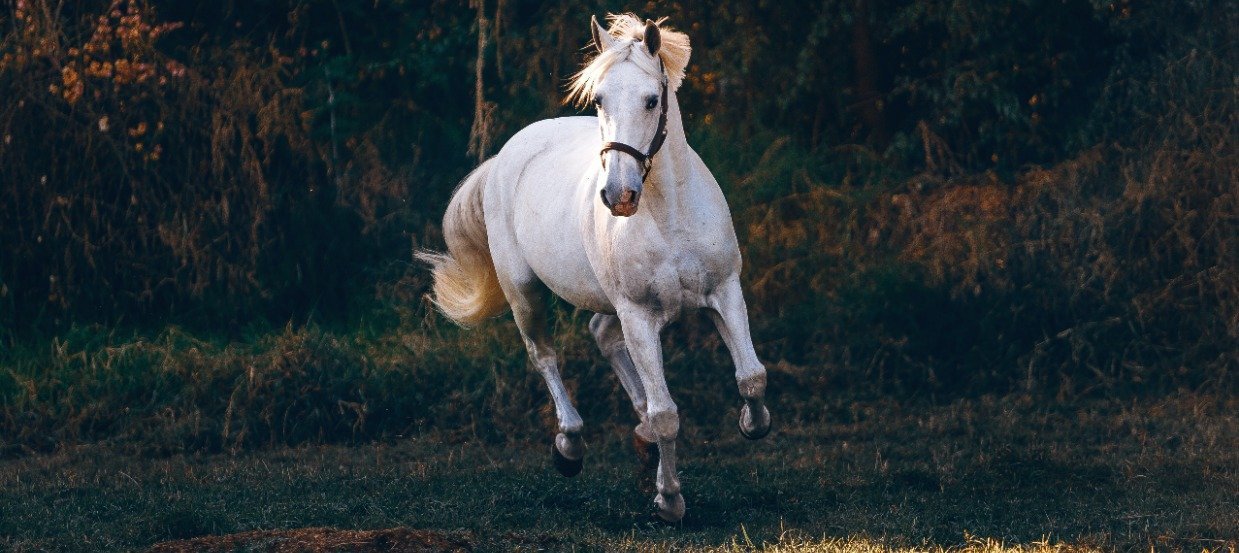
(586, 294)
(562, 266)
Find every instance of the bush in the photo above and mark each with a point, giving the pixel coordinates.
(927, 200)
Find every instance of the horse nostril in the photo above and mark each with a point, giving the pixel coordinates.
(603, 193)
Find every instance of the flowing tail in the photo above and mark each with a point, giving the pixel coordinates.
(465, 286)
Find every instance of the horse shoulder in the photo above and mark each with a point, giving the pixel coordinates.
(711, 228)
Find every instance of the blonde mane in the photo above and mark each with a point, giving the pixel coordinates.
(629, 30)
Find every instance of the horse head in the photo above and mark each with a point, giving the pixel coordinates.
(628, 83)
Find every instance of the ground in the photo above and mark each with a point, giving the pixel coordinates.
(982, 473)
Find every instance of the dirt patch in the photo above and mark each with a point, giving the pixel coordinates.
(312, 540)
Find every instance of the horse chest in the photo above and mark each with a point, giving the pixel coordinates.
(695, 281)
(673, 272)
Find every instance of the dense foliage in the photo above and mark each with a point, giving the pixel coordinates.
(933, 192)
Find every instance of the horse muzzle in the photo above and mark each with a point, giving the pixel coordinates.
(621, 204)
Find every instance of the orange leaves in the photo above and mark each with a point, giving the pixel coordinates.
(120, 52)
(71, 85)
(122, 47)
(116, 76)
(130, 27)
(99, 70)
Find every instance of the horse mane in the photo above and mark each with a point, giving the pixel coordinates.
(629, 29)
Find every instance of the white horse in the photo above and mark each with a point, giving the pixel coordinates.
(557, 209)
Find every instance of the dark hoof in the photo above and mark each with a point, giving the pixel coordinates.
(647, 452)
(757, 435)
(670, 510)
(761, 430)
(564, 465)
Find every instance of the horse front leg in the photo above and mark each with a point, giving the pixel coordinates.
(662, 418)
(610, 338)
(730, 315)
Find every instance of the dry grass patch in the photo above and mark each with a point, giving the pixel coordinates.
(321, 540)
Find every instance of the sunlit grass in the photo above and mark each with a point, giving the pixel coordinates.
(791, 543)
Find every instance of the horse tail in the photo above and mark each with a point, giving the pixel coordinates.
(466, 288)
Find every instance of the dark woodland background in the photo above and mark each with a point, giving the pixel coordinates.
(209, 207)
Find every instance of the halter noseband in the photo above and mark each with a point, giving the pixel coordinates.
(660, 135)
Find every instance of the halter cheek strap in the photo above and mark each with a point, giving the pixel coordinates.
(660, 135)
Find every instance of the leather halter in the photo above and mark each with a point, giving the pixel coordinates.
(660, 135)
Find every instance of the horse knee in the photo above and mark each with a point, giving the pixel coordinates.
(597, 324)
(607, 333)
(665, 425)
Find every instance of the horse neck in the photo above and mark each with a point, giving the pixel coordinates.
(671, 167)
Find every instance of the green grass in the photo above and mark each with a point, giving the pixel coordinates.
(983, 474)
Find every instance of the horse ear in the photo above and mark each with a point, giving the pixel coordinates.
(602, 39)
(652, 38)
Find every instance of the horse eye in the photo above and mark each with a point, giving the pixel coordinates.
(651, 102)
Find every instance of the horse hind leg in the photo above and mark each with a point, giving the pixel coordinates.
(527, 297)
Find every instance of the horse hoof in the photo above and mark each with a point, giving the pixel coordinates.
(670, 510)
(647, 452)
(754, 429)
(565, 466)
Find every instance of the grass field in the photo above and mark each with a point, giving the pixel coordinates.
(992, 275)
(980, 474)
